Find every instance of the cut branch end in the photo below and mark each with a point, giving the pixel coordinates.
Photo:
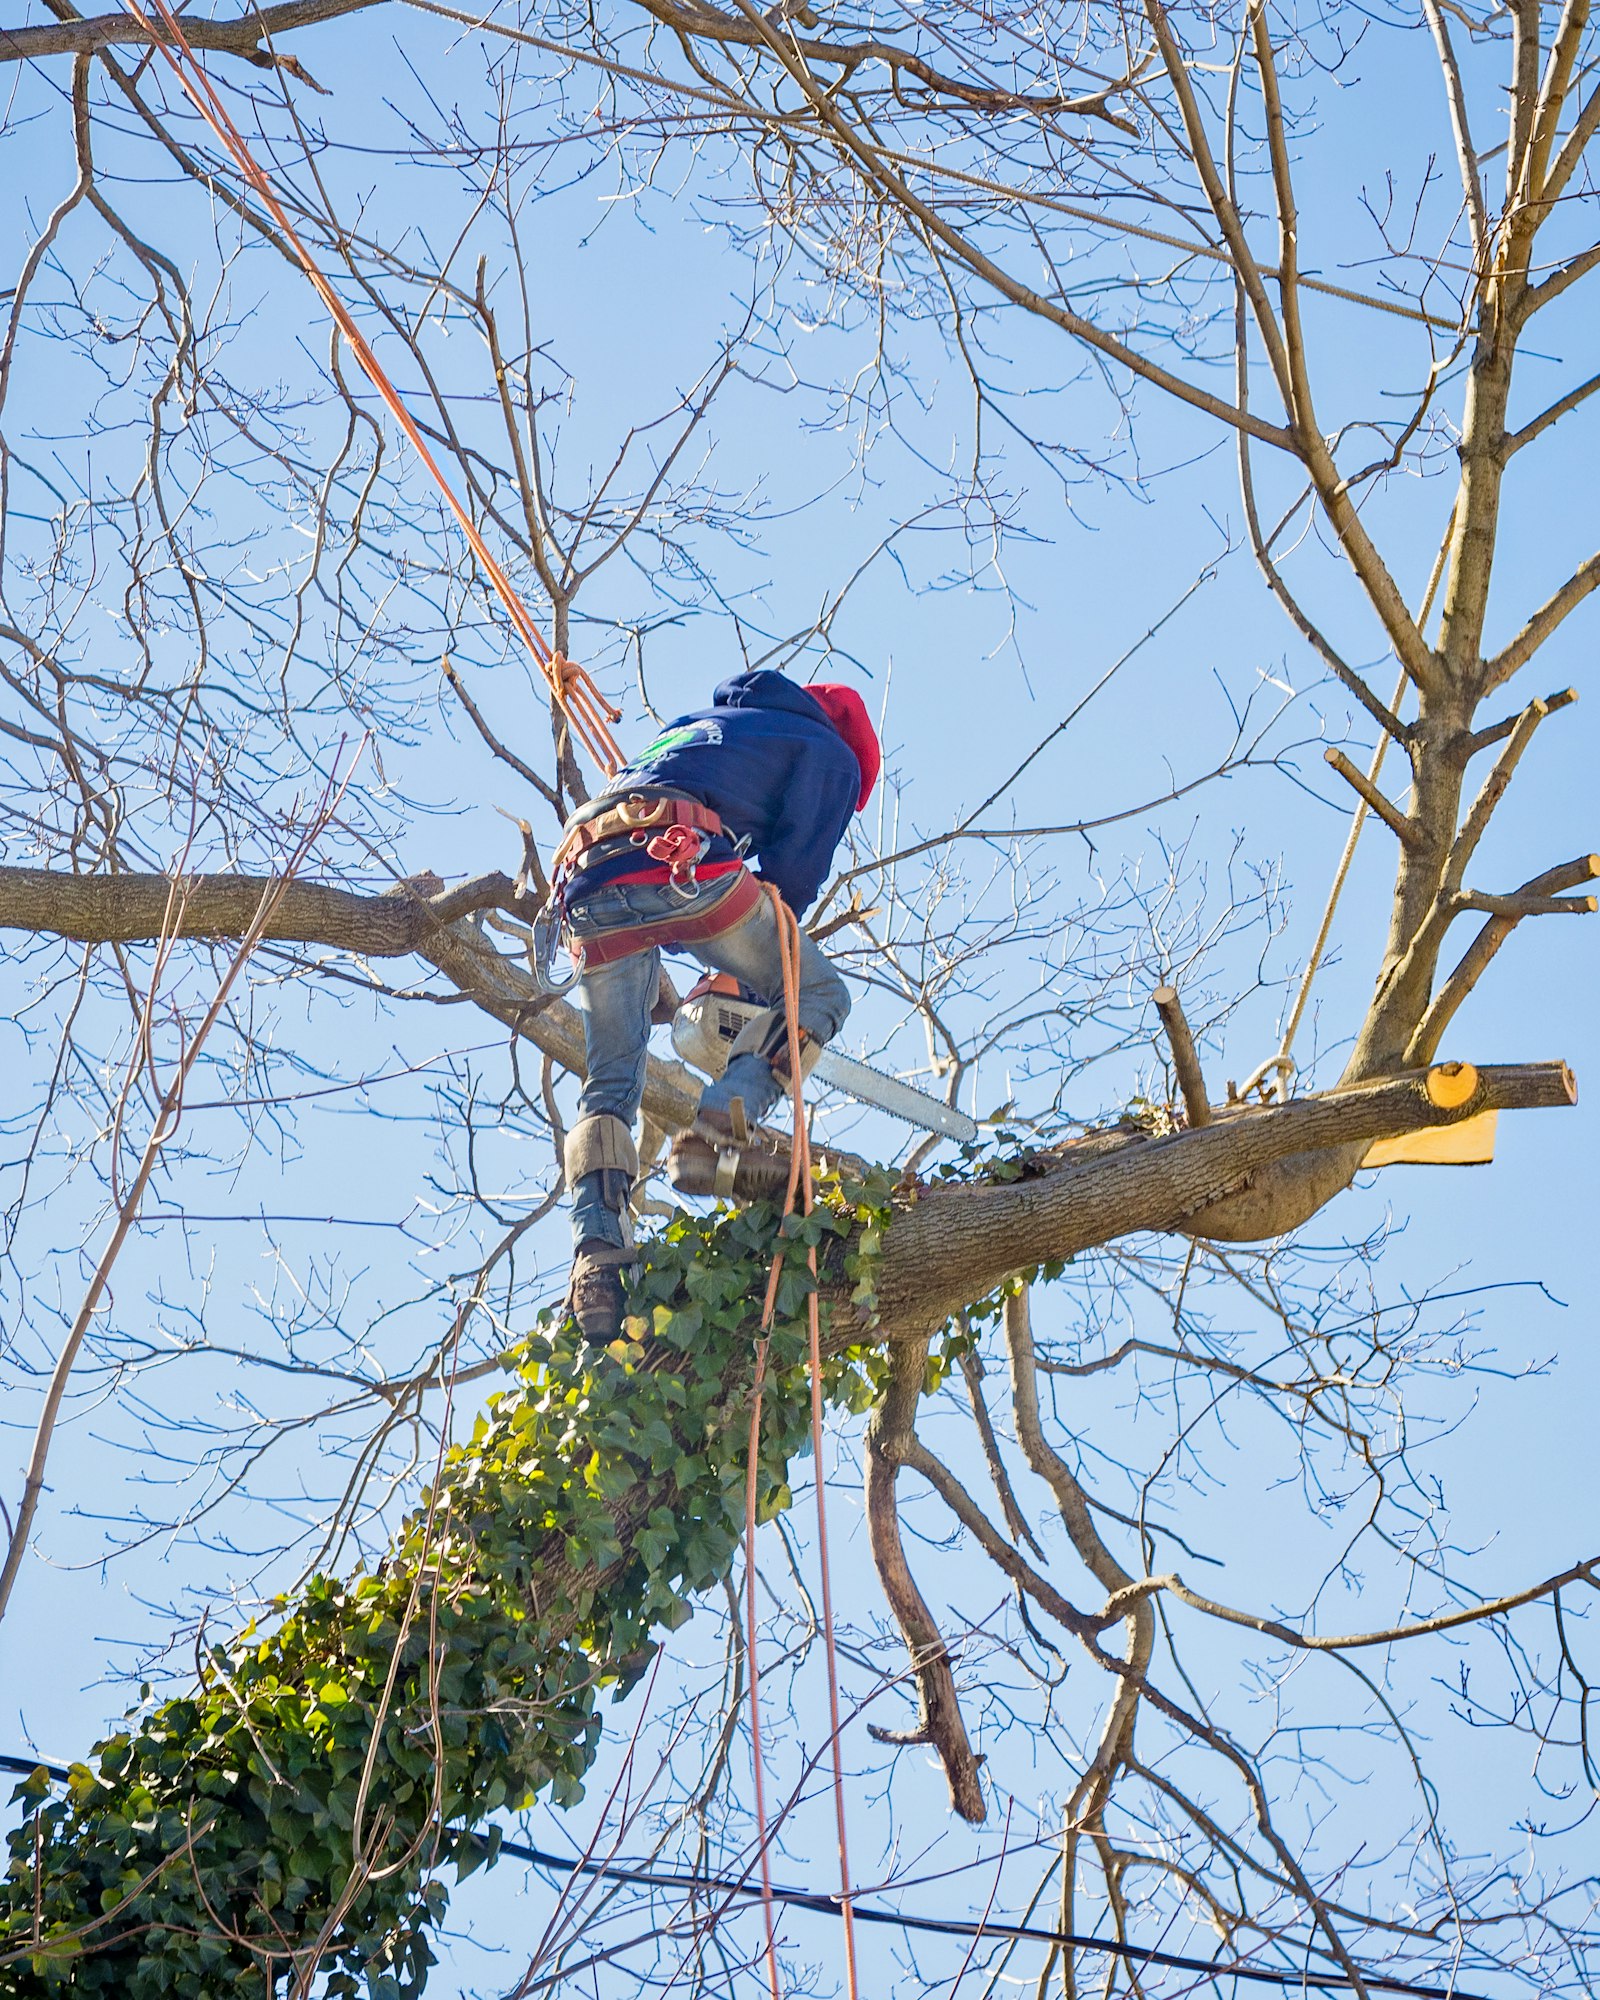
(1185, 1058)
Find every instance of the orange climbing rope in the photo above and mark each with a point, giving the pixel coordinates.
(588, 716)
(586, 711)
(799, 1183)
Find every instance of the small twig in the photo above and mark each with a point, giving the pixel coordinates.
(509, 757)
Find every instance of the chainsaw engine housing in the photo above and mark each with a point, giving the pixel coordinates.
(709, 1022)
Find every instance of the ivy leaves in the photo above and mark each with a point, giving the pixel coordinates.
(300, 1793)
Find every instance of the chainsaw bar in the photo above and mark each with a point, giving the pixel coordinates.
(711, 1017)
(888, 1093)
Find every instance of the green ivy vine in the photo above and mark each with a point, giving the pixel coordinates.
(306, 1805)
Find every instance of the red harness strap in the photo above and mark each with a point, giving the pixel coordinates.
(730, 908)
(667, 828)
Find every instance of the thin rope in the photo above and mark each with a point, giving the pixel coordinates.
(1282, 1062)
(799, 1184)
(752, 1665)
(585, 710)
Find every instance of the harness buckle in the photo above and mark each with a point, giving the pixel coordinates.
(680, 848)
(638, 811)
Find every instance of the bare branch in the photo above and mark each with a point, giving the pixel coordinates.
(939, 1719)
(1557, 410)
(1478, 956)
(1540, 627)
(1490, 793)
(1466, 152)
(1185, 1060)
(1310, 1642)
(1497, 732)
(1521, 905)
(1387, 811)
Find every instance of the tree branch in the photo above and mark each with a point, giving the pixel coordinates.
(1490, 793)
(1389, 813)
(1185, 1058)
(418, 917)
(939, 1718)
(1476, 959)
(129, 909)
(1447, 1621)
(1541, 625)
(873, 162)
(241, 36)
(1557, 410)
(1248, 1175)
(1497, 732)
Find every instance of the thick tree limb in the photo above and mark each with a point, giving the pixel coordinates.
(125, 909)
(417, 917)
(242, 36)
(1251, 1175)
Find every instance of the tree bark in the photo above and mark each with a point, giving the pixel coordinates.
(417, 917)
(1254, 1174)
(242, 36)
(1251, 1173)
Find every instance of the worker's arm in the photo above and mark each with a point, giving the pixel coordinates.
(817, 805)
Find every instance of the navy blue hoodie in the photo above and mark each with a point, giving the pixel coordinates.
(767, 760)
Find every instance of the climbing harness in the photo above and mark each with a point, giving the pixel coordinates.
(675, 831)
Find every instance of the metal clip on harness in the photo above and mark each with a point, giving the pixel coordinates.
(681, 849)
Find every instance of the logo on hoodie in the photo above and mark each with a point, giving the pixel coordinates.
(682, 736)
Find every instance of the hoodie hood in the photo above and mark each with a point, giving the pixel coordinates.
(767, 688)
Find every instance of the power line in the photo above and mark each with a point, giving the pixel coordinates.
(825, 1905)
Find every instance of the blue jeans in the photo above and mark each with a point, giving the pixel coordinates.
(615, 1001)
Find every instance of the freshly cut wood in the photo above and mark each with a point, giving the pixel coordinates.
(1469, 1144)
(1451, 1084)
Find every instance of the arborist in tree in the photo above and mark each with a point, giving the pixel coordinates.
(770, 771)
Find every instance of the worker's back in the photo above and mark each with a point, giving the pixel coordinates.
(767, 760)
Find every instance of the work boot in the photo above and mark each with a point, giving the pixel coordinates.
(596, 1295)
(721, 1156)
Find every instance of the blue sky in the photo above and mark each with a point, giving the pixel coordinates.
(633, 298)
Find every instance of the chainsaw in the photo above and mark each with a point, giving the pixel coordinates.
(714, 1013)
